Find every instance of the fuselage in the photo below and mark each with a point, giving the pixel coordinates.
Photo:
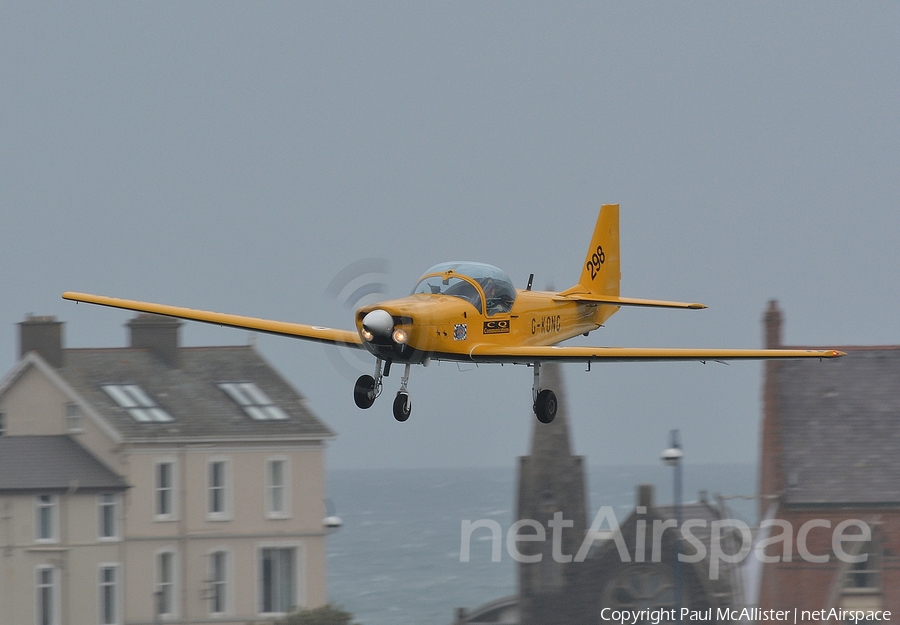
(453, 309)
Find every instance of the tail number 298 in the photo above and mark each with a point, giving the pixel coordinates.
(596, 260)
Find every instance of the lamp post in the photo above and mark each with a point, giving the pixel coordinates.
(672, 457)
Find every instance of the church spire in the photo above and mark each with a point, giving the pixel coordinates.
(552, 493)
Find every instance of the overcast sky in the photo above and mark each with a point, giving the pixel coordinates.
(236, 157)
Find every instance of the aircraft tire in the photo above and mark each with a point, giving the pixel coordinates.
(402, 407)
(545, 406)
(364, 391)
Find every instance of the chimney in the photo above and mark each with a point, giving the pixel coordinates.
(44, 336)
(157, 333)
(645, 495)
(772, 324)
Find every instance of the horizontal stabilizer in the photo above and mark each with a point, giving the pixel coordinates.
(613, 300)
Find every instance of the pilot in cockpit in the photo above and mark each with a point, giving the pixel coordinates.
(495, 300)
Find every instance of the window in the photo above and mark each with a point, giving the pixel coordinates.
(73, 417)
(109, 594)
(165, 490)
(277, 493)
(864, 577)
(47, 612)
(133, 399)
(45, 518)
(256, 404)
(217, 486)
(107, 512)
(165, 583)
(277, 580)
(218, 563)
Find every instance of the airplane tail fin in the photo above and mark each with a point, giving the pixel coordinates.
(600, 273)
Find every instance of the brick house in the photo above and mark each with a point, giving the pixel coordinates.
(830, 479)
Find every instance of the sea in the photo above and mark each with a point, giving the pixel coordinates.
(397, 558)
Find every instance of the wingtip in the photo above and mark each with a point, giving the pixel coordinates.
(697, 306)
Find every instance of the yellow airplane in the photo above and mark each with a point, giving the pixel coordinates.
(471, 312)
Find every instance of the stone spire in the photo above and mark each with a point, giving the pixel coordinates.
(551, 490)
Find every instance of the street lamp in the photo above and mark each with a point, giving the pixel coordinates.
(672, 457)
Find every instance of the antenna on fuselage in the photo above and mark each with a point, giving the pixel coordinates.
(530, 280)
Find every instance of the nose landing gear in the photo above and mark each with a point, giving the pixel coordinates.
(402, 404)
(368, 388)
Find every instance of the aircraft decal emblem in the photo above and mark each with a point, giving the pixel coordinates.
(459, 332)
(496, 327)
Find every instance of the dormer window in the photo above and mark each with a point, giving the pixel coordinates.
(253, 400)
(132, 398)
(73, 417)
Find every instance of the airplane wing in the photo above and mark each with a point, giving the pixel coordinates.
(321, 334)
(527, 355)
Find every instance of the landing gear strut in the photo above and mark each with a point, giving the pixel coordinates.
(545, 403)
(368, 388)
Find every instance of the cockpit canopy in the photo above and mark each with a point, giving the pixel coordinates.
(459, 279)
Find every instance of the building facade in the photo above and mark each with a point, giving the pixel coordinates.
(830, 480)
(214, 493)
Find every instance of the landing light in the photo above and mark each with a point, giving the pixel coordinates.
(367, 335)
(400, 337)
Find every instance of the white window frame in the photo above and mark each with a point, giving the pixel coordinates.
(102, 505)
(225, 513)
(74, 417)
(285, 487)
(39, 587)
(172, 513)
(299, 598)
(102, 585)
(172, 583)
(51, 507)
(224, 583)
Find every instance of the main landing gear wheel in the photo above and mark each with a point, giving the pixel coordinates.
(364, 391)
(402, 407)
(545, 406)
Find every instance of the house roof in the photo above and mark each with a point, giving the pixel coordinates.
(190, 394)
(42, 463)
(840, 428)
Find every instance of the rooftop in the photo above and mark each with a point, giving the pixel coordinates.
(51, 463)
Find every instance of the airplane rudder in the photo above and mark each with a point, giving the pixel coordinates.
(600, 272)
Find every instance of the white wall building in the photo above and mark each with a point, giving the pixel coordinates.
(189, 487)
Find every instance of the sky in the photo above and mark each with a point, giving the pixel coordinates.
(238, 156)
